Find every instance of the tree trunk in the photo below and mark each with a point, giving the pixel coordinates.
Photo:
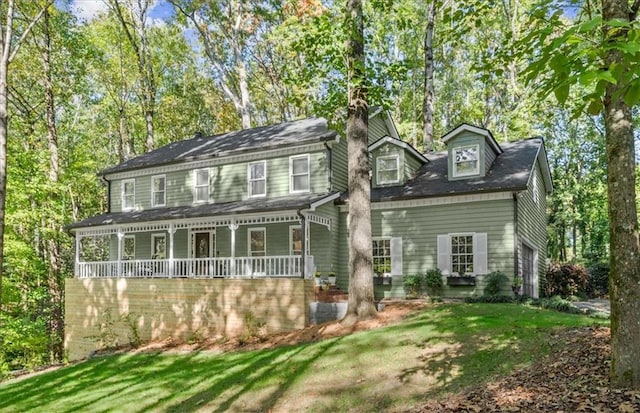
(624, 276)
(429, 95)
(361, 305)
(56, 324)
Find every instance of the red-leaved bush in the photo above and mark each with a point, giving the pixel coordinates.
(566, 280)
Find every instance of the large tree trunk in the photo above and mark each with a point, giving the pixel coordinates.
(624, 276)
(429, 94)
(56, 323)
(361, 305)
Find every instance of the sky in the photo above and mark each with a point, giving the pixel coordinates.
(88, 9)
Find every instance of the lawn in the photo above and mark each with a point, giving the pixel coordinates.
(441, 349)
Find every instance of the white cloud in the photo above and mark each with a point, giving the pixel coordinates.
(87, 9)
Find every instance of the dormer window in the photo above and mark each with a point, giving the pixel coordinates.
(388, 169)
(466, 160)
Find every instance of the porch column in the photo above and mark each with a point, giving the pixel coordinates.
(171, 231)
(78, 244)
(305, 236)
(120, 238)
(233, 227)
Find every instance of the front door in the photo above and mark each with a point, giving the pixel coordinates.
(527, 270)
(203, 244)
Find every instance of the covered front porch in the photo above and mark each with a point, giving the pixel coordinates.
(271, 244)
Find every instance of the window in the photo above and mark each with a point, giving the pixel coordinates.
(462, 254)
(128, 194)
(201, 192)
(387, 167)
(158, 246)
(295, 240)
(299, 173)
(466, 160)
(534, 179)
(257, 242)
(382, 257)
(158, 190)
(257, 178)
(129, 247)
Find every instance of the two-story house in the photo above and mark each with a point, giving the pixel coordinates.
(204, 234)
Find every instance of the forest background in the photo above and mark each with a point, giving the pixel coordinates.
(84, 95)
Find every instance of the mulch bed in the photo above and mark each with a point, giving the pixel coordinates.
(574, 377)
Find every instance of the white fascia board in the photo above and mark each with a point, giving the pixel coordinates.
(404, 145)
(323, 201)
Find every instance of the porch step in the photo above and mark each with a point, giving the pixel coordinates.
(331, 295)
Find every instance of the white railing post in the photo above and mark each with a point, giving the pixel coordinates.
(172, 231)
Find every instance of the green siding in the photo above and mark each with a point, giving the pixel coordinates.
(411, 165)
(532, 222)
(420, 226)
(377, 128)
(324, 242)
(339, 166)
(228, 183)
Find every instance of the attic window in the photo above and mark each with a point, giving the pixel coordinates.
(387, 167)
(466, 160)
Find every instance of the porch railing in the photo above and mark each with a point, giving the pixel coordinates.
(222, 267)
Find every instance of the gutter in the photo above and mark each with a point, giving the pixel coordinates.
(515, 234)
(329, 164)
(108, 182)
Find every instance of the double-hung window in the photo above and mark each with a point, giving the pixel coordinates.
(257, 178)
(382, 256)
(388, 169)
(128, 194)
(158, 190)
(201, 185)
(299, 173)
(466, 160)
(462, 253)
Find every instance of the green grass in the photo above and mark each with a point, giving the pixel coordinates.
(438, 350)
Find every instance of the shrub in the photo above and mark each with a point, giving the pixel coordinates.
(598, 280)
(491, 299)
(495, 282)
(566, 280)
(558, 303)
(413, 284)
(433, 281)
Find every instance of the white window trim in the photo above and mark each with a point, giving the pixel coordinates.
(164, 191)
(535, 188)
(390, 255)
(196, 186)
(455, 164)
(257, 229)
(153, 244)
(397, 169)
(291, 176)
(124, 242)
(250, 180)
(473, 252)
(123, 195)
(480, 252)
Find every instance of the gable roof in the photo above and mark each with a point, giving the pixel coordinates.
(402, 144)
(510, 171)
(299, 132)
(465, 127)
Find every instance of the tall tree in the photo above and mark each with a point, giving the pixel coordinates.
(9, 46)
(620, 22)
(133, 19)
(429, 94)
(361, 304)
(597, 54)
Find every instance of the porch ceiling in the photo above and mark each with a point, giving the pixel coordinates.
(221, 213)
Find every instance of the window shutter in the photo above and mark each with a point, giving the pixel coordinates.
(444, 253)
(480, 253)
(396, 256)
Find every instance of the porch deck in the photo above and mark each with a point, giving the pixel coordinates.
(287, 266)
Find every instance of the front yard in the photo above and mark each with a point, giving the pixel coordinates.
(434, 351)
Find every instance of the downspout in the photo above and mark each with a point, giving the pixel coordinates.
(108, 182)
(515, 234)
(330, 165)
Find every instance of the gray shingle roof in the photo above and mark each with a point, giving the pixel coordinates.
(267, 137)
(181, 212)
(509, 172)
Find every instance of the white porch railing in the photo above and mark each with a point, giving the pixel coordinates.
(223, 267)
